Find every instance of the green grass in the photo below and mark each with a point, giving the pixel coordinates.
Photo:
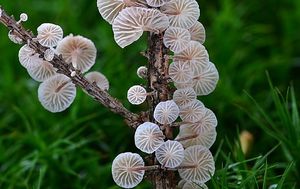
(75, 148)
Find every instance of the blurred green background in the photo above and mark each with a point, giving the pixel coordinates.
(75, 148)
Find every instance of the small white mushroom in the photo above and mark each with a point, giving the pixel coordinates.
(181, 183)
(156, 3)
(41, 70)
(142, 72)
(57, 93)
(198, 164)
(28, 57)
(78, 50)
(166, 112)
(49, 34)
(182, 13)
(148, 137)
(23, 18)
(197, 32)
(184, 96)
(180, 72)
(126, 169)
(176, 39)
(170, 154)
(98, 78)
(136, 94)
(14, 38)
(49, 54)
(192, 112)
(193, 185)
(184, 85)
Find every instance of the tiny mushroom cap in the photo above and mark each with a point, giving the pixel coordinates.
(197, 32)
(41, 70)
(148, 137)
(170, 154)
(166, 112)
(183, 96)
(126, 170)
(49, 34)
(100, 79)
(193, 185)
(207, 80)
(131, 22)
(79, 51)
(142, 72)
(57, 93)
(136, 94)
(180, 72)
(184, 85)
(198, 164)
(23, 17)
(176, 39)
(156, 3)
(14, 38)
(182, 13)
(195, 55)
(49, 54)
(192, 112)
(28, 57)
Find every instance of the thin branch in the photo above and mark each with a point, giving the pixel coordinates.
(79, 80)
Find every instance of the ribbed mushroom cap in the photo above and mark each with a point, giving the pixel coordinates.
(156, 3)
(136, 94)
(182, 13)
(176, 39)
(170, 154)
(100, 79)
(109, 9)
(180, 72)
(192, 185)
(130, 23)
(78, 50)
(192, 112)
(197, 32)
(207, 80)
(184, 85)
(181, 183)
(57, 93)
(184, 96)
(125, 169)
(148, 137)
(200, 164)
(49, 34)
(195, 55)
(41, 70)
(142, 72)
(28, 57)
(49, 54)
(166, 112)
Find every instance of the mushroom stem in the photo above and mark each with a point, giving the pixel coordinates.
(187, 137)
(62, 85)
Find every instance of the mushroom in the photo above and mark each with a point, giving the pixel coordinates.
(156, 3)
(49, 34)
(180, 72)
(198, 164)
(28, 57)
(184, 85)
(142, 72)
(192, 112)
(170, 154)
(78, 50)
(181, 183)
(57, 93)
(99, 79)
(41, 70)
(136, 94)
(126, 169)
(14, 38)
(193, 185)
(49, 54)
(176, 39)
(183, 96)
(197, 32)
(181, 13)
(148, 137)
(23, 18)
(207, 80)
(166, 112)
(131, 22)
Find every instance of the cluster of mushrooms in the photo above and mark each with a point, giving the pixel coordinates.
(193, 75)
(56, 91)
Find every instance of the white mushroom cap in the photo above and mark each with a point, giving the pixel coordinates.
(41, 70)
(192, 112)
(181, 183)
(49, 34)
(197, 32)
(183, 96)
(202, 161)
(142, 72)
(180, 72)
(125, 169)
(156, 3)
(184, 85)
(136, 94)
(148, 137)
(130, 23)
(100, 79)
(195, 55)
(176, 39)
(28, 57)
(57, 93)
(182, 13)
(207, 80)
(49, 54)
(78, 50)
(170, 154)
(192, 185)
(166, 112)
(109, 9)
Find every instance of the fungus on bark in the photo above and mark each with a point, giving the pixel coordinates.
(142, 72)
(176, 39)
(197, 32)
(193, 185)
(41, 70)
(49, 34)
(184, 96)
(180, 72)
(192, 112)
(170, 154)
(28, 57)
(99, 79)
(166, 112)
(136, 94)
